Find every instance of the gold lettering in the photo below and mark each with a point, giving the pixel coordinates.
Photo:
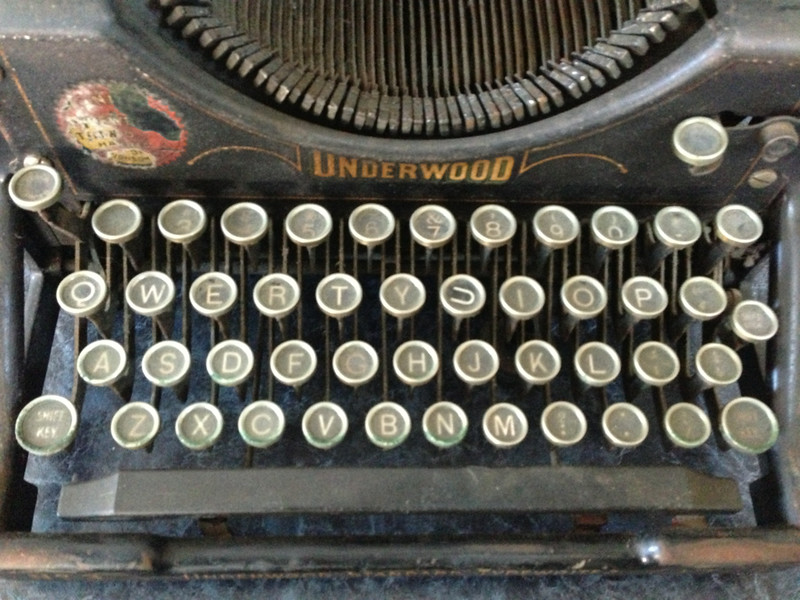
(369, 169)
(407, 171)
(435, 170)
(387, 170)
(458, 172)
(348, 167)
(329, 172)
(479, 170)
(502, 168)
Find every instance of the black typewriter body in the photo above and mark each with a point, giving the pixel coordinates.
(152, 103)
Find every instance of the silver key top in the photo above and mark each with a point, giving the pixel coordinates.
(355, 363)
(753, 321)
(183, 222)
(151, 294)
(505, 425)
(293, 362)
(492, 226)
(308, 225)
(213, 294)
(371, 224)
(102, 363)
(135, 425)
(46, 425)
(749, 425)
(521, 298)
(244, 223)
(166, 363)
(476, 362)
(276, 295)
(415, 362)
(624, 425)
(432, 226)
(339, 295)
(387, 425)
(402, 295)
(537, 362)
(582, 297)
(117, 221)
(655, 364)
(35, 187)
(444, 424)
(563, 423)
(613, 227)
(324, 425)
(686, 425)
(555, 227)
(261, 424)
(84, 294)
(597, 364)
(230, 363)
(199, 426)
(715, 365)
(675, 228)
(462, 296)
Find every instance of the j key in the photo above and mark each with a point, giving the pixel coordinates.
(475, 362)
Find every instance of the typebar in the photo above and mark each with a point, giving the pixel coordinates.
(219, 492)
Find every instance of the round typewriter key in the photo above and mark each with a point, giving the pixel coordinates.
(613, 227)
(716, 365)
(699, 141)
(199, 425)
(338, 295)
(293, 362)
(702, 298)
(371, 224)
(261, 423)
(687, 426)
(504, 425)
(402, 295)
(563, 423)
(432, 226)
(655, 364)
(415, 362)
(643, 298)
(596, 364)
(555, 226)
(676, 227)
(150, 293)
(82, 293)
(308, 225)
(35, 187)
(387, 425)
(462, 296)
(492, 226)
(166, 363)
(583, 297)
(537, 362)
(244, 223)
(624, 425)
(521, 298)
(102, 363)
(753, 321)
(737, 226)
(230, 363)
(444, 424)
(324, 425)
(475, 362)
(276, 295)
(749, 425)
(213, 294)
(117, 221)
(135, 425)
(355, 363)
(46, 425)
(182, 221)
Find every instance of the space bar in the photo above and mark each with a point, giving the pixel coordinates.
(213, 492)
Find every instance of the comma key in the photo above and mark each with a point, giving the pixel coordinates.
(46, 425)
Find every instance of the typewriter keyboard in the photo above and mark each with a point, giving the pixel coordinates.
(332, 359)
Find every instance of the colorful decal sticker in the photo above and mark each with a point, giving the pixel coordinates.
(121, 124)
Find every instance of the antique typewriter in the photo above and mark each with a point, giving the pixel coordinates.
(327, 286)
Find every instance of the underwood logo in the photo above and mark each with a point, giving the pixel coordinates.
(485, 170)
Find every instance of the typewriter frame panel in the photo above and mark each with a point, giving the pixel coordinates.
(737, 49)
